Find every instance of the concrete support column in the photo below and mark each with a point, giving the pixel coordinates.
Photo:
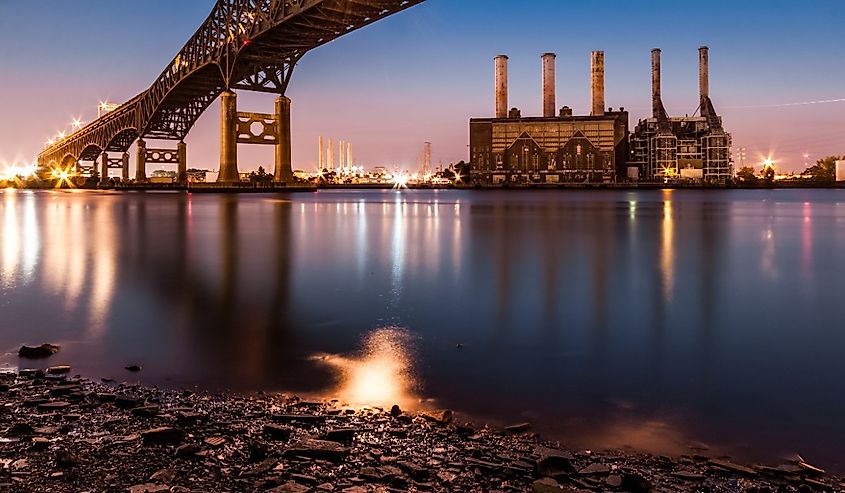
(104, 167)
(182, 171)
(124, 172)
(141, 162)
(283, 172)
(228, 138)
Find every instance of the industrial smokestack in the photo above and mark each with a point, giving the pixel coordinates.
(320, 146)
(704, 73)
(349, 154)
(597, 71)
(656, 97)
(549, 102)
(501, 86)
(330, 156)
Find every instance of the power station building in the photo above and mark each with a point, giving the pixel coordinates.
(511, 149)
(668, 149)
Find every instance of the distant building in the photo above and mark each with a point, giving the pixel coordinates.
(554, 148)
(685, 148)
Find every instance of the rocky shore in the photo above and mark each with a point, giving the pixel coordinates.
(67, 434)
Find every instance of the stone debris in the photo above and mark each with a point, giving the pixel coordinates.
(105, 437)
(38, 352)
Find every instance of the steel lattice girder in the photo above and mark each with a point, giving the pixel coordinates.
(243, 44)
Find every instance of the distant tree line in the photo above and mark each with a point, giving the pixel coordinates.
(824, 171)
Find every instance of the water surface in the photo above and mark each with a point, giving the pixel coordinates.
(652, 319)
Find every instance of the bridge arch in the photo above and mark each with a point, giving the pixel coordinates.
(90, 152)
(69, 160)
(122, 140)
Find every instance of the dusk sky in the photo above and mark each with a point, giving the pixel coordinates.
(420, 75)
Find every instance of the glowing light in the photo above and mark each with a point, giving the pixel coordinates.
(16, 171)
(76, 124)
(381, 375)
(400, 181)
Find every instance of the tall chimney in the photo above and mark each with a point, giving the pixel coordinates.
(501, 86)
(549, 100)
(322, 162)
(656, 100)
(704, 73)
(597, 71)
(330, 156)
(349, 154)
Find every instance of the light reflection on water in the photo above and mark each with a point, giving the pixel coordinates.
(380, 374)
(704, 313)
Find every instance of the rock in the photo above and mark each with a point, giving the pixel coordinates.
(290, 487)
(730, 466)
(547, 485)
(126, 401)
(133, 368)
(439, 417)
(341, 435)
(395, 411)
(19, 430)
(164, 476)
(40, 444)
(163, 436)
(595, 469)
(53, 405)
(417, 472)
(518, 428)
(553, 462)
(614, 481)
(311, 419)
(810, 468)
(187, 450)
(145, 411)
(58, 370)
(149, 488)
(688, 476)
(635, 483)
(38, 352)
(215, 442)
(318, 449)
(66, 460)
(276, 432)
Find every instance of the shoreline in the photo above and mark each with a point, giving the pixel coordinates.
(65, 433)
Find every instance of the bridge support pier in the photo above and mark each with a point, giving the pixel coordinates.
(182, 169)
(228, 138)
(104, 168)
(283, 172)
(124, 170)
(141, 162)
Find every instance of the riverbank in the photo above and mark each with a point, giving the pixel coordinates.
(68, 434)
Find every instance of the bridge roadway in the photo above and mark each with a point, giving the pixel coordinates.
(250, 45)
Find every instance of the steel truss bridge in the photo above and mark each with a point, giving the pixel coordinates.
(250, 45)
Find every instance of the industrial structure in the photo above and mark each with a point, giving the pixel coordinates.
(510, 149)
(688, 148)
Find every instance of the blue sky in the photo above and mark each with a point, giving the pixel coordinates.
(420, 75)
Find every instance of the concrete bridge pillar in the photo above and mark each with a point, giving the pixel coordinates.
(283, 172)
(104, 167)
(141, 162)
(228, 138)
(124, 172)
(182, 153)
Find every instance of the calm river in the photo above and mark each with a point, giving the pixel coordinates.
(657, 319)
